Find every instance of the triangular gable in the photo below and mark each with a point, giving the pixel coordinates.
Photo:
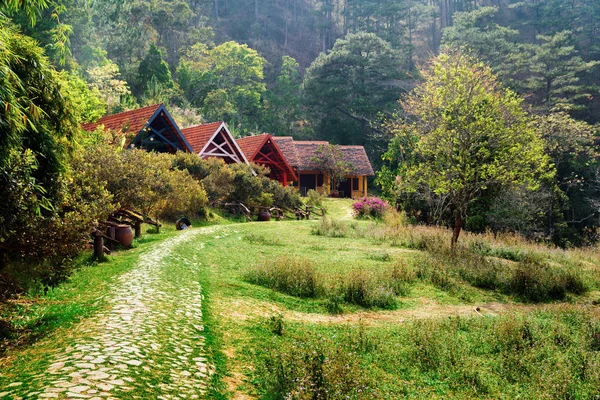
(263, 150)
(215, 140)
(150, 127)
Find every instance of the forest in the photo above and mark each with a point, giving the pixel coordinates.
(395, 76)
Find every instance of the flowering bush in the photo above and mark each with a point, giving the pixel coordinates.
(372, 207)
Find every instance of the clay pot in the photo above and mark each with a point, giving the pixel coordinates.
(264, 216)
(124, 235)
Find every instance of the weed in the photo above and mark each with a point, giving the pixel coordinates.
(262, 240)
(334, 302)
(275, 323)
(311, 367)
(330, 227)
(364, 289)
(292, 276)
(382, 256)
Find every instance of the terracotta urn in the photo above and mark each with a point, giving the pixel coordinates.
(124, 235)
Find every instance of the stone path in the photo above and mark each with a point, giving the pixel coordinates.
(147, 344)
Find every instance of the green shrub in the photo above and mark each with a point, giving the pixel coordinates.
(314, 198)
(331, 228)
(537, 282)
(311, 367)
(368, 290)
(276, 324)
(334, 302)
(296, 277)
(402, 276)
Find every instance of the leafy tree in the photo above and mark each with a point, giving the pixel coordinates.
(106, 80)
(571, 145)
(88, 100)
(353, 83)
(43, 222)
(151, 66)
(227, 81)
(284, 100)
(471, 135)
(330, 159)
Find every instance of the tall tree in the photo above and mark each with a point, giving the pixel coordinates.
(353, 83)
(153, 67)
(227, 81)
(555, 70)
(283, 100)
(471, 135)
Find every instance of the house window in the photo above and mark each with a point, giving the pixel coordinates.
(354, 183)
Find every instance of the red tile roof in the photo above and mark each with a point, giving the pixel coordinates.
(130, 122)
(250, 145)
(197, 136)
(299, 154)
(288, 149)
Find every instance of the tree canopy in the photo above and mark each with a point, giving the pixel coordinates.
(471, 135)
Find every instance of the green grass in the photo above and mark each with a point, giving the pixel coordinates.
(430, 344)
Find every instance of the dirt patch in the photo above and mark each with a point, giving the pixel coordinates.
(251, 309)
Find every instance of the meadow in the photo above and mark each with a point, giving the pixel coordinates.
(361, 309)
(344, 308)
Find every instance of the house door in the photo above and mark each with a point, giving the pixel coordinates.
(345, 188)
(307, 182)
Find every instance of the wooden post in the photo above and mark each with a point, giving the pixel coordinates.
(284, 178)
(110, 232)
(98, 245)
(138, 229)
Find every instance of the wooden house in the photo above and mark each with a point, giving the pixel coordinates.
(300, 154)
(262, 150)
(214, 140)
(150, 128)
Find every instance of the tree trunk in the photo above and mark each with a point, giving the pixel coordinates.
(458, 223)
(217, 9)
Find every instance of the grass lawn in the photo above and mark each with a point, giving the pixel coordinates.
(375, 311)
(457, 340)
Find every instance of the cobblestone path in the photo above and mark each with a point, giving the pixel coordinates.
(147, 344)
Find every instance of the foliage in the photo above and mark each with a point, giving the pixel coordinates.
(154, 68)
(472, 135)
(314, 198)
(226, 81)
(145, 182)
(311, 367)
(330, 227)
(42, 224)
(237, 182)
(370, 207)
(330, 160)
(554, 68)
(87, 100)
(106, 80)
(283, 109)
(351, 83)
(292, 276)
